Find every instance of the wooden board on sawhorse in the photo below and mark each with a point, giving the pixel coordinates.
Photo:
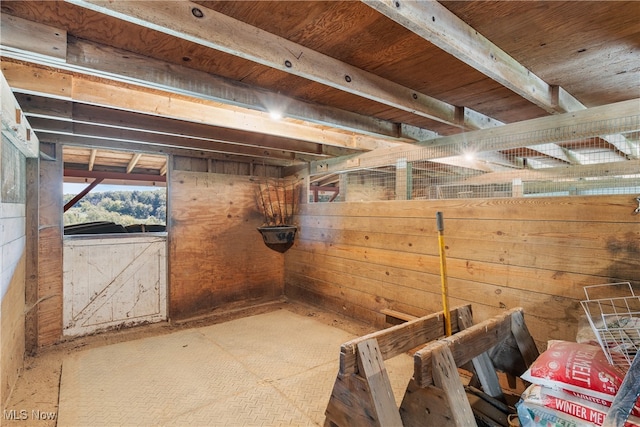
(435, 395)
(362, 395)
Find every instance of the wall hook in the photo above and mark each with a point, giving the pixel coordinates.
(637, 211)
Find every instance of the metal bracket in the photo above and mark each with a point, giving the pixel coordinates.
(637, 211)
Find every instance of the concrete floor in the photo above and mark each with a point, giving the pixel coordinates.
(272, 369)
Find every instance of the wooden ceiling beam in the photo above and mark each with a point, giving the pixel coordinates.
(436, 24)
(190, 21)
(92, 159)
(100, 143)
(499, 138)
(79, 173)
(134, 161)
(81, 141)
(39, 107)
(40, 80)
(35, 42)
(88, 131)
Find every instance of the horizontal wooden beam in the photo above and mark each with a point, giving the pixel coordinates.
(464, 345)
(89, 132)
(84, 141)
(588, 123)
(78, 173)
(43, 40)
(398, 339)
(46, 81)
(40, 107)
(127, 66)
(254, 44)
(436, 24)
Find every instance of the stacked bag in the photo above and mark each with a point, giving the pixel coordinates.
(572, 385)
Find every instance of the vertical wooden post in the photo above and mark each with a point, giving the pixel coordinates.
(344, 178)
(404, 180)
(32, 236)
(50, 247)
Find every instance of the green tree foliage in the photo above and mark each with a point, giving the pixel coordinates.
(121, 207)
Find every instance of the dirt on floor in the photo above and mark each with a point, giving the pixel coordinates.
(34, 400)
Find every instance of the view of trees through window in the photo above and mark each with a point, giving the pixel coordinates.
(120, 207)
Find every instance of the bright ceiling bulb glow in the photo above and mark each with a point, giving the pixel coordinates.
(469, 157)
(275, 115)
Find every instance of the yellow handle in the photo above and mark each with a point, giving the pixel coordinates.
(443, 274)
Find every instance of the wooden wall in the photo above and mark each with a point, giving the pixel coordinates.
(12, 266)
(216, 255)
(538, 253)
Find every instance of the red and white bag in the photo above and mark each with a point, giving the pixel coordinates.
(581, 370)
(569, 404)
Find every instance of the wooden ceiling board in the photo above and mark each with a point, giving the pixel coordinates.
(566, 43)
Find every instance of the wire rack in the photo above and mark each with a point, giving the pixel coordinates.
(613, 311)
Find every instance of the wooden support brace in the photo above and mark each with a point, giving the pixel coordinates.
(371, 365)
(525, 342)
(445, 376)
(482, 364)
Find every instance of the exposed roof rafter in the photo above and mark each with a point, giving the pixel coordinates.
(251, 43)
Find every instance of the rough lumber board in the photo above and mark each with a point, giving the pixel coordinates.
(425, 407)
(32, 259)
(371, 367)
(128, 97)
(525, 343)
(495, 138)
(438, 25)
(50, 272)
(593, 208)
(446, 377)
(410, 234)
(243, 40)
(397, 315)
(464, 345)
(397, 339)
(482, 364)
(350, 403)
(34, 37)
(147, 71)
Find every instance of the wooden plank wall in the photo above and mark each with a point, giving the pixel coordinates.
(538, 253)
(216, 255)
(12, 266)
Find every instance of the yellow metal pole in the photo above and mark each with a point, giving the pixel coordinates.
(443, 274)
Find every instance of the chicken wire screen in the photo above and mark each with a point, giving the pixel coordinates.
(589, 159)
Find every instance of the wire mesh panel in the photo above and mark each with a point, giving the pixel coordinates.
(588, 159)
(613, 311)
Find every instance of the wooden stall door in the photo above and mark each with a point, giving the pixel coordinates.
(113, 281)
